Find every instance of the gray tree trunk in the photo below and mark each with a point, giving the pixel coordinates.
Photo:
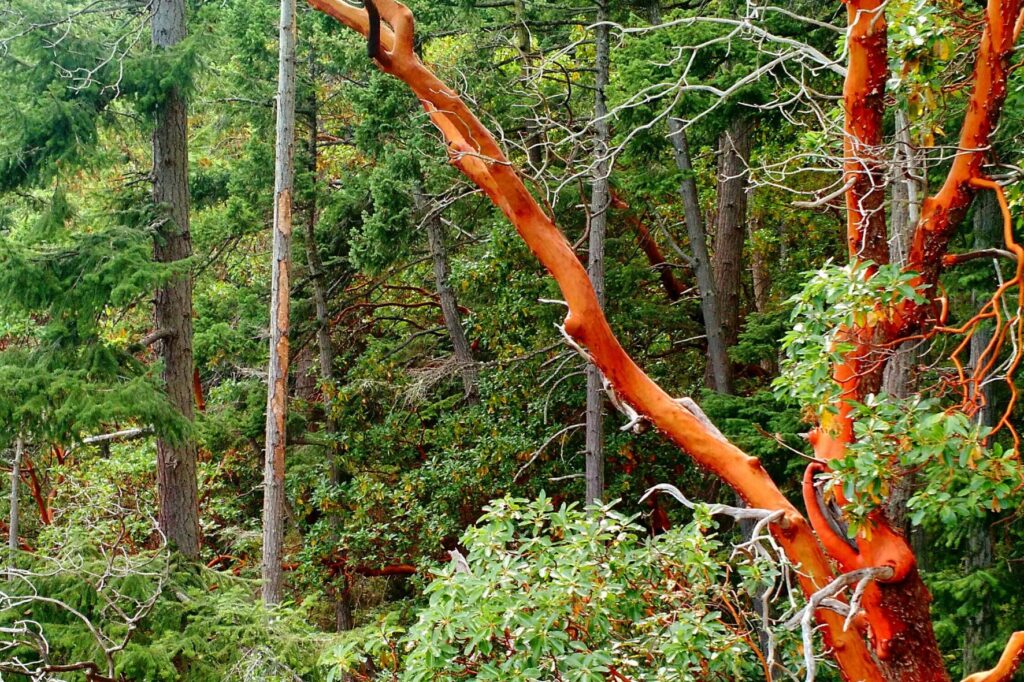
(343, 618)
(760, 271)
(449, 305)
(600, 203)
(535, 148)
(12, 540)
(178, 499)
(898, 376)
(730, 224)
(277, 374)
(987, 220)
(718, 358)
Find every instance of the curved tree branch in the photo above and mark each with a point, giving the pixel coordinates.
(474, 151)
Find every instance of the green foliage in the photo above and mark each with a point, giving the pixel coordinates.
(156, 619)
(572, 595)
(835, 299)
(960, 474)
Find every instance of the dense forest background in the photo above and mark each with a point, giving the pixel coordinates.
(441, 440)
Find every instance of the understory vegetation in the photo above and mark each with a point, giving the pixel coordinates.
(299, 379)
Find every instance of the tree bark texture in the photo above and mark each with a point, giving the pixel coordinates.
(178, 500)
(896, 613)
(277, 374)
(474, 151)
(730, 224)
(449, 304)
(600, 204)
(718, 358)
(979, 535)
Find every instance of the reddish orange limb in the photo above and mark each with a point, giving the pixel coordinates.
(1007, 665)
(474, 151)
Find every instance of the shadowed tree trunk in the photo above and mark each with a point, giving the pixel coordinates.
(178, 500)
(535, 149)
(343, 617)
(600, 204)
(449, 305)
(718, 359)
(277, 373)
(730, 224)
(760, 271)
(645, 240)
(979, 535)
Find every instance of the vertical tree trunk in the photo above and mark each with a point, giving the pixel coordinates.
(600, 203)
(277, 375)
(730, 224)
(979, 535)
(897, 378)
(759, 270)
(535, 150)
(449, 305)
(343, 618)
(721, 375)
(12, 540)
(178, 500)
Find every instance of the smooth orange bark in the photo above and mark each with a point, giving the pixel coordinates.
(1007, 665)
(474, 151)
(863, 91)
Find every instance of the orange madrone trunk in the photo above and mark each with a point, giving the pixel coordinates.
(473, 150)
(897, 609)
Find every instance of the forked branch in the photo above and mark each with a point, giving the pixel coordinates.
(474, 151)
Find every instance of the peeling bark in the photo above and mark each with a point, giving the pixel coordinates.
(277, 372)
(474, 151)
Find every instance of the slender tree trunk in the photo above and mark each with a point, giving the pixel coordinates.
(535, 150)
(979, 535)
(343, 618)
(12, 540)
(449, 305)
(277, 375)
(720, 371)
(718, 358)
(600, 203)
(760, 271)
(730, 224)
(178, 499)
(898, 378)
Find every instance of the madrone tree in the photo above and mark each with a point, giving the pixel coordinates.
(851, 318)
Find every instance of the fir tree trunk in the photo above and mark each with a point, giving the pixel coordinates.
(343, 619)
(979, 535)
(897, 378)
(449, 305)
(178, 513)
(720, 374)
(600, 203)
(730, 224)
(277, 374)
